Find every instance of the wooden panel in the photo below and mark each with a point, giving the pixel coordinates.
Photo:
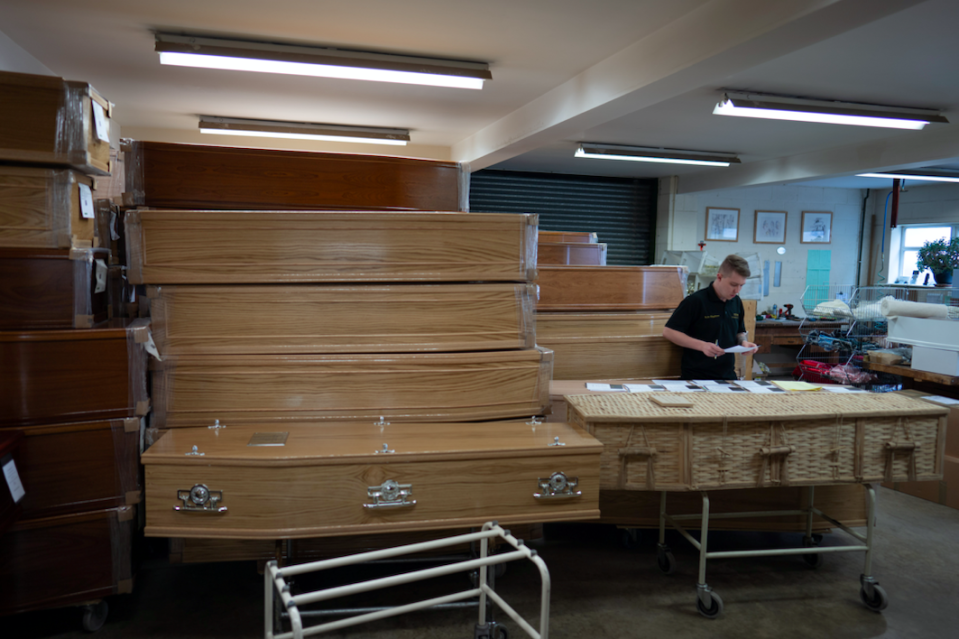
(640, 509)
(193, 391)
(342, 319)
(77, 467)
(10, 453)
(40, 208)
(571, 254)
(575, 327)
(744, 361)
(234, 247)
(609, 288)
(65, 560)
(317, 484)
(46, 120)
(56, 376)
(51, 288)
(187, 176)
(546, 237)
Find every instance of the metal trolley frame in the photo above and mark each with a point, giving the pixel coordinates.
(710, 605)
(278, 590)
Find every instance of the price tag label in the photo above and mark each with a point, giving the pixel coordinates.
(100, 124)
(13, 481)
(86, 202)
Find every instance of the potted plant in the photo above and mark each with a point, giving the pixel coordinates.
(940, 257)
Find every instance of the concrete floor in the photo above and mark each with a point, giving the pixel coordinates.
(600, 589)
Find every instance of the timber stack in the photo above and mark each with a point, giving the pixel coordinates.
(74, 382)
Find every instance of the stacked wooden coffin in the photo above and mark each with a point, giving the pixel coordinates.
(358, 354)
(73, 384)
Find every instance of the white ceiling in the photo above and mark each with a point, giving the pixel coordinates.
(642, 72)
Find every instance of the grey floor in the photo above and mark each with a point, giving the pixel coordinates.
(600, 589)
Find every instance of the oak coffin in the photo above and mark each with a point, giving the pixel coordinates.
(56, 376)
(40, 208)
(253, 247)
(546, 237)
(742, 441)
(571, 254)
(244, 389)
(610, 288)
(608, 345)
(52, 288)
(77, 467)
(189, 176)
(47, 120)
(350, 478)
(341, 319)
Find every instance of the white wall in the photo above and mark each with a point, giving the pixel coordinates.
(681, 224)
(15, 58)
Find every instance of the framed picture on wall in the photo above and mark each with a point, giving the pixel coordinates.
(722, 225)
(770, 227)
(816, 227)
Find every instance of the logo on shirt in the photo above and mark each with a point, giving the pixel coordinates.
(711, 317)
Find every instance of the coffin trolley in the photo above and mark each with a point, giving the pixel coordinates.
(671, 442)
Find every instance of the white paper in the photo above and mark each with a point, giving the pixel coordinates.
(939, 399)
(843, 389)
(606, 387)
(13, 481)
(739, 349)
(644, 388)
(86, 202)
(100, 276)
(678, 386)
(731, 388)
(759, 387)
(100, 123)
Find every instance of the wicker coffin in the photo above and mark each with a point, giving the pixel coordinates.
(342, 319)
(46, 120)
(610, 288)
(192, 176)
(251, 247)
(243, 389)
(571, 254)
(608, 345)
(52, 288)
(743, 441)
(40, 208)
(365, 478)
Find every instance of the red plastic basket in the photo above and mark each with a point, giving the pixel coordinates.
(812, 371)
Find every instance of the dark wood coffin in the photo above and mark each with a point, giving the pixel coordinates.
(57, 376)
(318, 318)
(68, 559)
(335, 479)
(571, 254)
(258, 247)
(187, 176)
(76, 467)
(271, 389)
(610, 288)
(12, 492)
(40, 208)
(47, 120)
(52, 288)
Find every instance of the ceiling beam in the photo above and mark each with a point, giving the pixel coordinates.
(719, 39)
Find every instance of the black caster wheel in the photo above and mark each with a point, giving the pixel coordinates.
(630, 538)
(95, 615)
(715, 606)
(665, 560)
(499, 570)
(878, 601)
(500, 632)
(815, 561)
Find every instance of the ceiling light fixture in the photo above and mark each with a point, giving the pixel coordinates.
(599, 151)
(325, 62)
(898, 175)
(303, 130)
(775, 107)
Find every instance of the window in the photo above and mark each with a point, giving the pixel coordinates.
(911, 239)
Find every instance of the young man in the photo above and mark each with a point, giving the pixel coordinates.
(709, 321)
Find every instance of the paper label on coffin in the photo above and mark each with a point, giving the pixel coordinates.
(335, 479)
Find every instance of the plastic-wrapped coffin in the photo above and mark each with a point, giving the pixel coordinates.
(610, 288)
(40, 208)
(338, 479)
(325, 318)
(273, 389)
(253, 247)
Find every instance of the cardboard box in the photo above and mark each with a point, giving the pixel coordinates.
(951, 481)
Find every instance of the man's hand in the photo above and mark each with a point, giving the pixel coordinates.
(711, 350)
(754, 347)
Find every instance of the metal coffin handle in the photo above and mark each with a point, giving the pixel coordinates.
(557, 486)
(200, 499)
(390, 494)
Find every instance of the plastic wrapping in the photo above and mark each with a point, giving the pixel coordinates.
(138, 337)
(133, 188)
(76, 122)
(531, 246)
(526, 298)
(464, 187)
(40, 208)
(122, 524)
(89, 285)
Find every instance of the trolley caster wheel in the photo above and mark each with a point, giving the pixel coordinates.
(665, 559)
(878, 601)
(500, 632)
(499, 570)
(715, 606)
(95, 615)
(815, 561)
(630, 538)
(490, 630)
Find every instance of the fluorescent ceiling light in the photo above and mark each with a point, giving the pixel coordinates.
(649, 154)
(302, 130)
(774, 107)
(913, 176)
(325, 62)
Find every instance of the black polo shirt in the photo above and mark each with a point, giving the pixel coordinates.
(704, 316)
